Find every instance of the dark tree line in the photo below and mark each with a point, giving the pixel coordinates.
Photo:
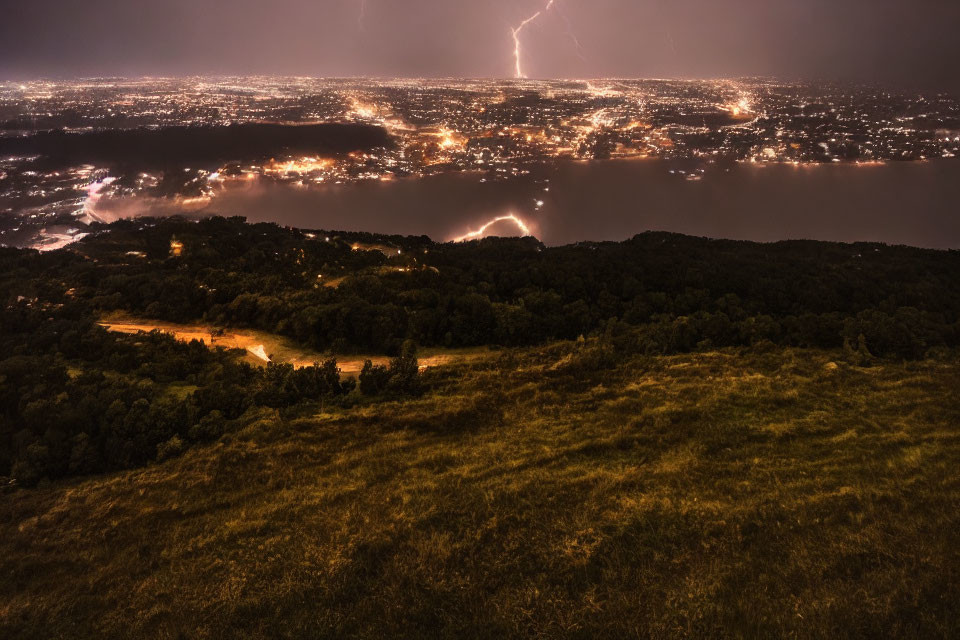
(136, 149)
(509, 292)
(77, 399)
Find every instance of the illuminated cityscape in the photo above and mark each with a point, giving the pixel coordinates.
(502, 129)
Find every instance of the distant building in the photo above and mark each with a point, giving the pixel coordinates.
(176, 248)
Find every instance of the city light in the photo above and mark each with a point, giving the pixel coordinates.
(483, 126)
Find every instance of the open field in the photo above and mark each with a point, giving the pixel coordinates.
(725, 494)
(263, 347)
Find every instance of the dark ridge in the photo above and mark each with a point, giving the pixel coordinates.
(176, 146)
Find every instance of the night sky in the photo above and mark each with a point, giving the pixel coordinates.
(907, 43)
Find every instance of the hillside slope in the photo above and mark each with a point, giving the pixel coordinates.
(759, 493)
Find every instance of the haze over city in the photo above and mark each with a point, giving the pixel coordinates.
(496, 91)
(909, 44)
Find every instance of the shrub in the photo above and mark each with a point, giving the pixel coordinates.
(170, 449)
(404, 370)
(373, 378)
(209, 428)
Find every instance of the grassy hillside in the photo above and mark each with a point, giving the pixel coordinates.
(754, 493)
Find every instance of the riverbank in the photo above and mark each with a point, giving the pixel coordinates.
(911, 203)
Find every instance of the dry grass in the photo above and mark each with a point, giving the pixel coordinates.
(711, 495)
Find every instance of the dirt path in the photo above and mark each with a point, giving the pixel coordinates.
(262, 347)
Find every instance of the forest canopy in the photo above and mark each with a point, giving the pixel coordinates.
(75, 398)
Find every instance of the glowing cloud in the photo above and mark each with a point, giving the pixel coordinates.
(93, 197)
(479, 233)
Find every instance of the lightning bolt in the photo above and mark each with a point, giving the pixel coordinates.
(516, 31)
(362, 16)
(473, 235)
(573, 36)
(664, 25)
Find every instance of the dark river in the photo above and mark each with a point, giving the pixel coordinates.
(902, 203)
